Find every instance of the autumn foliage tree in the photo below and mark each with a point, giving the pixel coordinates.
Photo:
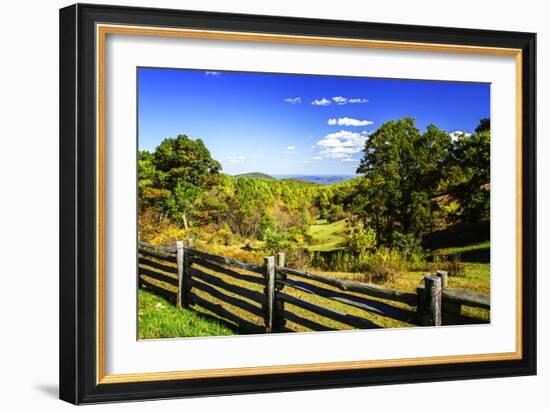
(175, 175)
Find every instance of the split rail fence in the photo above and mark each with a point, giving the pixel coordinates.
(187, 274)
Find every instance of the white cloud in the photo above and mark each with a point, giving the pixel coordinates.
(290, 148)
(294, 100)
(340, 100)
(349, 160)
(317, 158)
(235, 159)
(457, 134)
(341, 144)
(307, 161)
(345, 121)
(321, 102)
(212, 74)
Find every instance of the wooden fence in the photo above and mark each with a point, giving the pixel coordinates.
(184, 275)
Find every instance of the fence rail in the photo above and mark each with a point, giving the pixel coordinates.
(272, 294)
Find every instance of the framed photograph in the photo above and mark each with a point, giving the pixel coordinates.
(258, 203)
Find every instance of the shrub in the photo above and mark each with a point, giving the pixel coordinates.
(358, 238)
(335, 213)
(275, 240)
(407, 244)
(378, 266)
(296, 257)
(384, 265)
(225, 236)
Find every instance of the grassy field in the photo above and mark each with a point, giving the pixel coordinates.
(327, 236)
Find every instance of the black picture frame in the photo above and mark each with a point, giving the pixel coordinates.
(78, 194)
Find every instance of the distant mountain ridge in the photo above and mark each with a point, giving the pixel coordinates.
(317, 179)
(255, 175)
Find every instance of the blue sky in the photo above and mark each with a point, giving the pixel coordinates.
(294, 124)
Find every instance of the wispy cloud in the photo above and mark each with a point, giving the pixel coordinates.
(345, 121)
(290, 149)
(215, 74)
(321, 102)
(339, 100)
(349, 160)
(317, 158)
(293, 100)
(341, 145)
(235, 159)
(307, 161)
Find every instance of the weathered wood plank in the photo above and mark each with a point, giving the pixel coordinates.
(290, 316)
(368, 305)
(158, 248)
(161, 292)
(468, 298)
(237, 302)
(351, 320)
(228, 261)
(353, 286)
(222, 312)
(158, 276)
(223, 270)
(158, 255)
(218, 282)
(158, 266)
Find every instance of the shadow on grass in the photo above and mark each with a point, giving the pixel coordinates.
(458, 235)
(208, 316)
(475, 256)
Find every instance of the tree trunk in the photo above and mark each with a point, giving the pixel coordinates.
(184, 218)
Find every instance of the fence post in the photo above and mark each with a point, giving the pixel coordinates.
(181, 273)
(450, 311)
(444, 278)
(280, 260)
(431, 305)
(269, 264)
(278, 311)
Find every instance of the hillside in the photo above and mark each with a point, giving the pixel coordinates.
(255, 175)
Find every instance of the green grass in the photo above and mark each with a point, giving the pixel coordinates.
(327, 236)
(157, 318)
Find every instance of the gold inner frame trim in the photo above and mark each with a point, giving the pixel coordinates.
(101, 33)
